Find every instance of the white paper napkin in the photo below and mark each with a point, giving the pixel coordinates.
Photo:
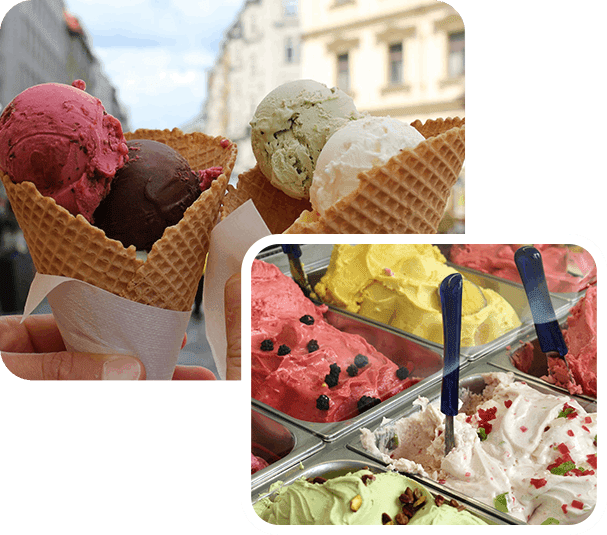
(230, 240)
(96, 321)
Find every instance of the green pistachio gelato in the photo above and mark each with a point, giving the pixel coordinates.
(291, 126)
(336, 501)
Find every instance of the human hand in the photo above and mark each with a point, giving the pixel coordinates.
(34, 350)
(232, 307)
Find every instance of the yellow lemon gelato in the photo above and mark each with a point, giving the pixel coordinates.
(398, 285)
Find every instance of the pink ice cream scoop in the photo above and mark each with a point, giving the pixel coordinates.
(62, 139)
(257, 463)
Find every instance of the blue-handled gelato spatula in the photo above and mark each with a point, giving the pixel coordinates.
(297, 271)
(451, 303)
(531, 269)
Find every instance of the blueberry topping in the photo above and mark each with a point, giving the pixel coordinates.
(312, 346)
(361, 360)
(307, 319)
(322, 403)
(335, 369)
(333, 377)
(283, 350)
(352, 370)
(267, 345)
(367, 402)
(331, 380)
(402, 373)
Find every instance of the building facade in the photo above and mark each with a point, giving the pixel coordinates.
(40, 41)
(403, 58)
(259, 51)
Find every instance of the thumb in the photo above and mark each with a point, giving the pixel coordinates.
(66, 365)
(232, 309)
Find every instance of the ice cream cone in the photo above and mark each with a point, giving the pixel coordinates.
(277, 209)
(406, 195)
(61, 244)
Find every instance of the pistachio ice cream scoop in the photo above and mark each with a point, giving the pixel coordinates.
(291, 126)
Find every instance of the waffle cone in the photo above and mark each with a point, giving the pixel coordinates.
(61, 244)
(406, 195)
(277, 209)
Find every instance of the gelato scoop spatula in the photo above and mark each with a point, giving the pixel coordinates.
(451, 303)
(531, 269)
(297, 271)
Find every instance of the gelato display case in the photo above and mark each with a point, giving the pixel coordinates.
(552, 496)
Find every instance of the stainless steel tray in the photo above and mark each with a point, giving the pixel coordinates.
(280, 443)
(471, 379)
(341, 461)
(427, 362)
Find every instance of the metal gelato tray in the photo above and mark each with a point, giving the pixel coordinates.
(279, 443)
(340, 461)
(427, 363)
(471, 379)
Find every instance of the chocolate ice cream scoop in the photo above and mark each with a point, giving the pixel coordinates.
(151, 192)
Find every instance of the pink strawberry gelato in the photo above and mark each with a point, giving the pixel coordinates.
(305, 367)
(580, 337)
(257, 463)
(61, 138)
(567, 269)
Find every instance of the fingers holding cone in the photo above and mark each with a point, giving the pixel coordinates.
(232, 306)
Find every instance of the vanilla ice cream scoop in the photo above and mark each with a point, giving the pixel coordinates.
(356, 147)
(290, 127)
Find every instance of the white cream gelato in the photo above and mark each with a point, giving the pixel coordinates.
(535, 454)
(357, 146)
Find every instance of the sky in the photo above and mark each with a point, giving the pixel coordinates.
(157, 52)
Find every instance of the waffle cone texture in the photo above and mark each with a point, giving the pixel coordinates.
(61, 244)
(277, 209)
(406, 195)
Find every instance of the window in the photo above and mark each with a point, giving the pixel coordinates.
(289, 50)
(343, 72)
(289, 8)
(456, 54)
(395, 60)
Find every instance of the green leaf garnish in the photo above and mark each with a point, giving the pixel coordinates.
(563, 468)
(549, 521)
(566, 412)
(500, 502)
(393, 442)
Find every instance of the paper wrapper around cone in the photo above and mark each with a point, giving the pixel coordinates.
(92, 320)
(406, 195)
(61, 244)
